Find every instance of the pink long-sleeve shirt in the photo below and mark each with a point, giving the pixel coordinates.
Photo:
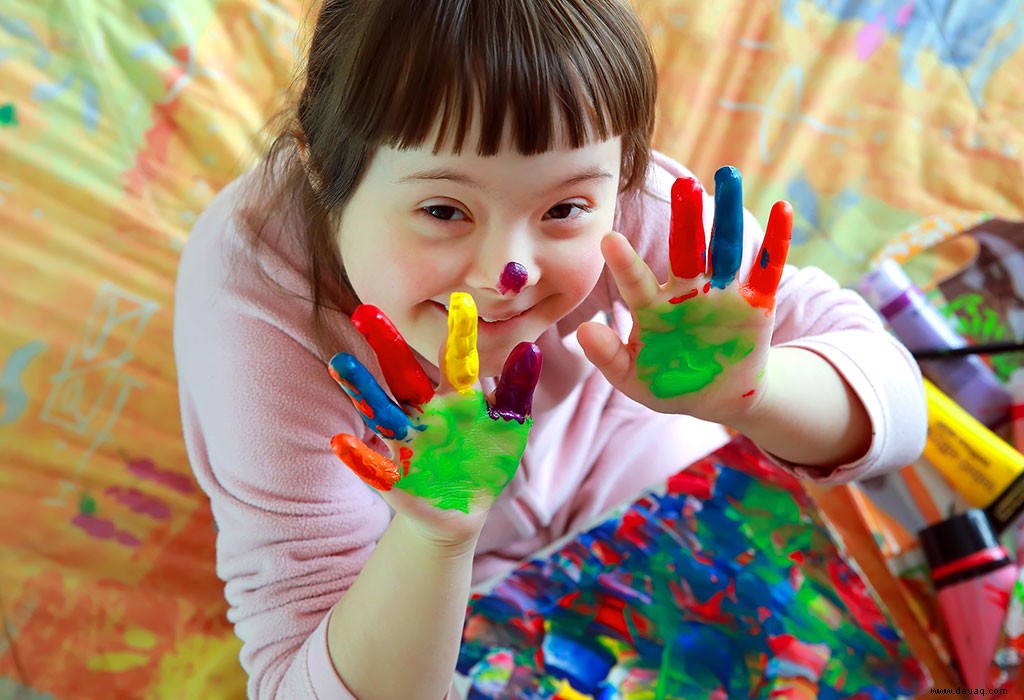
(295, 526)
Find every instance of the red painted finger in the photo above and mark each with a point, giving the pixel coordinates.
(763, 280)
(375, 469)
(408, 382)
(687, 250)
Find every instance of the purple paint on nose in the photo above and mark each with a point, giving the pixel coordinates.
(513, 277)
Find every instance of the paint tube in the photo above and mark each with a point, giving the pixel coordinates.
(984, 468)
(919, 326)
(1016, 389)
(973, 575)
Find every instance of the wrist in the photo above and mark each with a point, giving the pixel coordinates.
(448, 545)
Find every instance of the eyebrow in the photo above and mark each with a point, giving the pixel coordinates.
(459, 178)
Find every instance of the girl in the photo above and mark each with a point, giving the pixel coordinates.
(455, 153)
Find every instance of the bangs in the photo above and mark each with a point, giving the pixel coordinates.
(560, 73)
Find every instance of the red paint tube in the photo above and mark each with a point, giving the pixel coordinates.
(973, 576)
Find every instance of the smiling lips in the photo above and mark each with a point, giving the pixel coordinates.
(491, 318)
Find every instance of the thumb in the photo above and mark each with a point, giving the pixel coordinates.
(605, 351)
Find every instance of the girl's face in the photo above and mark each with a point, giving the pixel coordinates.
(421, 226)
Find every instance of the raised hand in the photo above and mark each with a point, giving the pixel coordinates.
(700, 341)
(452, 450)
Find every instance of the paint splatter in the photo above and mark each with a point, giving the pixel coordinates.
(8, 115)
(139, 502)
(104, 530)
(686, 346)
(12, 394)
(146, 469)
(512, 279)
(741, 593)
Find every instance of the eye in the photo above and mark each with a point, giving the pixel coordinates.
(444, 212)
(565, 210)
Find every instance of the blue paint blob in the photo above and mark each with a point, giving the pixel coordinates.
(584, 666)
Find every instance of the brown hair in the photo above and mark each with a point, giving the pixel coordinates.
(387, 72)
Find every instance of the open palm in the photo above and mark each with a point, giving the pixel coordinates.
(700, 341)
(452, 451)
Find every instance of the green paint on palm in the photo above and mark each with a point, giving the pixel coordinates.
(463, 453)
(687, 345)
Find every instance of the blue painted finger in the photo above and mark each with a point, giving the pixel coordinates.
(727, 230)
(377, 409)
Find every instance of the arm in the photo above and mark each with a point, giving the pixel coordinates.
(808, 414)
(839, 396)
(296, 528)
(396, 632)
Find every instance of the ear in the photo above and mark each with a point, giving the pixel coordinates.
(302, 148)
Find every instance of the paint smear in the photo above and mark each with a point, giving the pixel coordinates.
(145, 468)
(462, 452)
(512, 279)
(684, 346)
(725, 583)
(869, 39)
(8, 115)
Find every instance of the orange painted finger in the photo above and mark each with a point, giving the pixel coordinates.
(375, 469)
(763, 280)
(687, 250)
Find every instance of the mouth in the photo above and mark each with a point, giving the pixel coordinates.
(491, 318)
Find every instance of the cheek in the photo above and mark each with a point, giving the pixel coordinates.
(576, 270)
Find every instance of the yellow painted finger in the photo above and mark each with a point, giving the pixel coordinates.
(461, 361)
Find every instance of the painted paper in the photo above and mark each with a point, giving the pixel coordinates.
(725, 582)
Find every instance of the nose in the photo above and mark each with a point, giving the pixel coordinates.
(506, 262)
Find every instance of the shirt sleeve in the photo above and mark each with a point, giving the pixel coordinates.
(814, 313)
(258, 407)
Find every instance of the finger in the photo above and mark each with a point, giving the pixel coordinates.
(687, 252)
(634, 279)
(461, 361)
(374, 469)
(727, 230)
(605, 351)
(763, 280)
(513, 396)
(403, 374)
(377, 409)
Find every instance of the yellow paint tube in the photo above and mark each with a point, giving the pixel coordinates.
(983, 467)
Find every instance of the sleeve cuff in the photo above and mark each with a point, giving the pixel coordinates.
(327, 684)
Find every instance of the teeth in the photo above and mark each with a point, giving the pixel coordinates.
(484, 318)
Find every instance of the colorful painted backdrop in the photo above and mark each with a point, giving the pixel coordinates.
(120, 120)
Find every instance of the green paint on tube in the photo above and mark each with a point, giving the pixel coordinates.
(463, 453)
(8, 116)
(685, 346)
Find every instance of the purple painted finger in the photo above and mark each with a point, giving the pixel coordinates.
(513, 397)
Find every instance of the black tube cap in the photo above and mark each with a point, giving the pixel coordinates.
(957, 537)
